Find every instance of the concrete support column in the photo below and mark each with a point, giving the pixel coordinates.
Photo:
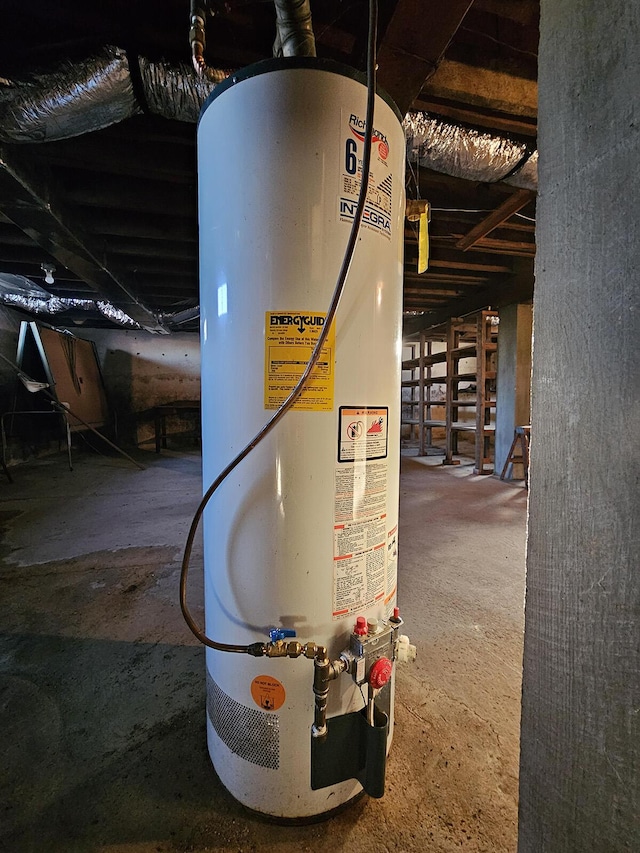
(514, 379)
(580, 743)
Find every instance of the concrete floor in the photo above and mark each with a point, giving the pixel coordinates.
(102, 727)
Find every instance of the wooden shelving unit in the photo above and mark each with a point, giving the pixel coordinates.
(470, 357)
(423, 399)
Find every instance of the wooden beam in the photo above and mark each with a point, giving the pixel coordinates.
(484, 87)
(443, 258)
(505, 247)
(176, 165)
(525, 12)
(129, 195)
(409, 54)
(435, 263)
(122, 223)
(462, 264)
(522, 226)
(424, 304)
(453, 283)
(495, 247)
(504, 291)
(428, 293)
(169, 249)
(440, 278)
(492, 120)
(512, 205)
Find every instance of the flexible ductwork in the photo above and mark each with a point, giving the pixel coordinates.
(82, 97)
(468, 153)
(17, 291)
(73, 99)
(174, 92)
(526, 177)
(57, 305)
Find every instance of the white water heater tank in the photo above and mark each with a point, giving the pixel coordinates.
(302, 536)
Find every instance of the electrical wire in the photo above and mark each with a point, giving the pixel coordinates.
(195, 629)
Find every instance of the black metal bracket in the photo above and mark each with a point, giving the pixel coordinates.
(352, 749)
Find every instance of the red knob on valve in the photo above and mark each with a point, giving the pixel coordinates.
(361, 626)
(380, 673)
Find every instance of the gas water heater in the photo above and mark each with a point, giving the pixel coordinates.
(300, 542)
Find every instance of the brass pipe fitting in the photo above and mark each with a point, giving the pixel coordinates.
(324, 672)
(198, 42)
(310, 650)
(197, 37)
(282, 649)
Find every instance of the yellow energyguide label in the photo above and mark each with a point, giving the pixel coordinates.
(290, 337)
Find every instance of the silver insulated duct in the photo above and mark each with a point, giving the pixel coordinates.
(72, 99)
(78, 98)
(464, 152)
(81, 97)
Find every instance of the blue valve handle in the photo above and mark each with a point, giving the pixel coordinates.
(281, 634)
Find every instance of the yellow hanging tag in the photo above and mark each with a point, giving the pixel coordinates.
(423, 244)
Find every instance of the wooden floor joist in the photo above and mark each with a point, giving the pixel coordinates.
(512, 205)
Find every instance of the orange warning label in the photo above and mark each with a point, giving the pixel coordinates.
(267, 692)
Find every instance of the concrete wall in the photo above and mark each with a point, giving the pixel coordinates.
(514, 378)
(580, 745)
(142, 370)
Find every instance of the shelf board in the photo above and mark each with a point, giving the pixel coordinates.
(428, 360)
(434, 380)
(472, 428)
(463, 377)
(472, 403)
(429, 423)
(468, 351)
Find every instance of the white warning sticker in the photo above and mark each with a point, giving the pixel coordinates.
(361, 490)
(361, 538)
(359, 564)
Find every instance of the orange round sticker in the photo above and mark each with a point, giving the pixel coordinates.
(267, 692)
